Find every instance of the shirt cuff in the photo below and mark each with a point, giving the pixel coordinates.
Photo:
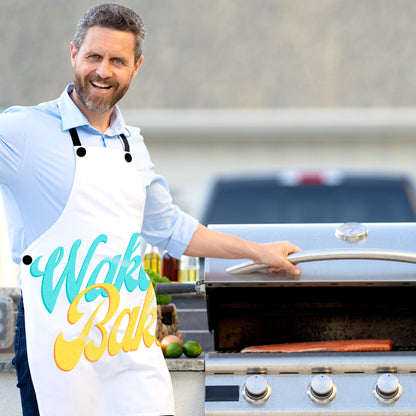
(181, 236)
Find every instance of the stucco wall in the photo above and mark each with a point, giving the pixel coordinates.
(228, 53)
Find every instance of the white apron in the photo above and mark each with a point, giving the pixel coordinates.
(90, 309)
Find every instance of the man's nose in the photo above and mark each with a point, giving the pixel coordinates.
(104, 69)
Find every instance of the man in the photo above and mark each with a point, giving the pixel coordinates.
(79, 190)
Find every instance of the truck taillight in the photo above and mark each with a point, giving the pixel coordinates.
(311, 178)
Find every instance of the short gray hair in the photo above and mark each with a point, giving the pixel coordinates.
(111, 16)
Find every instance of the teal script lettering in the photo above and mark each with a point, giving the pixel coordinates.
(73, 283)
(129, 265)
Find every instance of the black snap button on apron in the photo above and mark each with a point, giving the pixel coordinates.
(81, 152)
(128, 157)
(27, 259)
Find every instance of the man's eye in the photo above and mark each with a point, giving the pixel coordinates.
(118, 61)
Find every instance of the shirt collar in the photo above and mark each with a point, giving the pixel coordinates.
(72, 116)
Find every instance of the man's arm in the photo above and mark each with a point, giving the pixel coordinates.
(209, 243)
(12, 143)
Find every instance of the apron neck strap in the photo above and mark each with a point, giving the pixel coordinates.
(74, 137)
(76, 142)
(125, 142)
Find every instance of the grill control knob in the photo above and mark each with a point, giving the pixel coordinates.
(387, 388)
(256, 390)
(322, 389)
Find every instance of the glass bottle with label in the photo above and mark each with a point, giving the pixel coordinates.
(152, 259)
(189, 269)
(170, 267)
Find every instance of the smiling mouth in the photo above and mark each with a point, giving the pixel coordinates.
(100, 86)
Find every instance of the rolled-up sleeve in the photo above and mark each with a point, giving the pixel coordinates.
(165, 225)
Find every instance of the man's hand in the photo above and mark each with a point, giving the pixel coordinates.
(275, 255)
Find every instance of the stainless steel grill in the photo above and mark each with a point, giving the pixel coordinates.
(358, 282)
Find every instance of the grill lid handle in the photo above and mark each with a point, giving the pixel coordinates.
(330, 254)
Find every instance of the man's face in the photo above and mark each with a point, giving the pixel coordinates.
(103, 68)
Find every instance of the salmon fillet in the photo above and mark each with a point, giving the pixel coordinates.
(344, 345)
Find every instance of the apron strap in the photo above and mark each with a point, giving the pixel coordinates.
(74, 137)
(76, 142)
(125, 142)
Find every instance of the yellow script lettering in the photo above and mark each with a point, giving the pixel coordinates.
(68, 353)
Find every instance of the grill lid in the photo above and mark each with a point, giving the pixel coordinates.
(332, 254)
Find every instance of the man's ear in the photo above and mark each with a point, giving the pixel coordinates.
(74, 52)
(137, 66)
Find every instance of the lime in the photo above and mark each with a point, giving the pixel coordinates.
(192, 349)
(174, 350)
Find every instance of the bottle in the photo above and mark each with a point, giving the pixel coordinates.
(189, 269)
(152, 259)
(170, 267)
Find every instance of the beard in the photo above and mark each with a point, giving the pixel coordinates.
(95, 102)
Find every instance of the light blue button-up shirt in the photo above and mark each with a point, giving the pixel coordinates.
(37, 167)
